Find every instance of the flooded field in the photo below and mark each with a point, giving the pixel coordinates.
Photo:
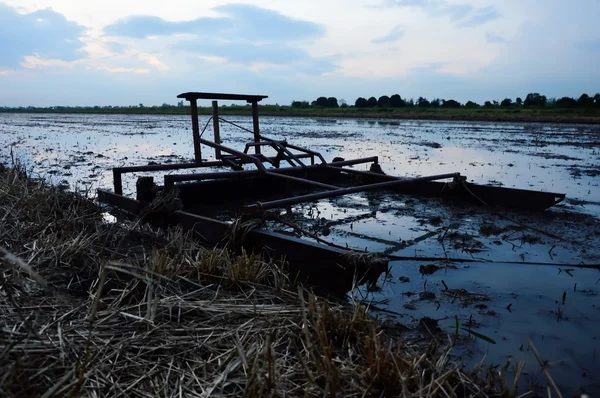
(476, 265)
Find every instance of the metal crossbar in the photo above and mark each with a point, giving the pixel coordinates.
(281, 145)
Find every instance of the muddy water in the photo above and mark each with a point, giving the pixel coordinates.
(496, 295)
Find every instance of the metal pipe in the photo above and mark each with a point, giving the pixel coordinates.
(196, 131)
(303, 180)
(315, 153)
(352, 162)
(172, 178)
(340, 192)
(242, 155)
(161, 167)
(118, 182)
(368, 173)
(276, 147)
(216, 130)
(179, 166)
(281, 147)
(256, 125)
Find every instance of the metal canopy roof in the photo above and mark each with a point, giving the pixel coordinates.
(220, 96)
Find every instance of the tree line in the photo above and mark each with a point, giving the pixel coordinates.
(396, 101)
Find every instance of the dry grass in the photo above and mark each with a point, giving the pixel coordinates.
(96, 309)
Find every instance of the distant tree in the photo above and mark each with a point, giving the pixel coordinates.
(165, 105)
(411, 102)
(551, 101)
(343, 103)
(585, 100)
(496, 103)
(300, 104)
(372, 102)
(322, 102)
(451, 104)
(361, 102)
(535, 99)
(384, 100)
(487, 104)
(180, 104)
(332, 102)
(141, 105)
(566, 102)
(519, 101)
(471, 104)
(396, 101)
(597, 99)
(436, 103)
(506, 102)
(314, 104)
(422, 102)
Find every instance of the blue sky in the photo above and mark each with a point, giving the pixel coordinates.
(121, 52)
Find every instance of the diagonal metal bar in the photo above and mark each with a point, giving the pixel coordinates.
(232, 151)
(303, 180)
(340, 192)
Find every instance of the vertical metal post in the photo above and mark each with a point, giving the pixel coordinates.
(196, 131)
(256, 127)
(117, 181)
(215, 114)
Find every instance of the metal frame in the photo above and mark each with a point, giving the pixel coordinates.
(320, 265)
(234, 159)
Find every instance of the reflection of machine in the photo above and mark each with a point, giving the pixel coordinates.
(274, 186)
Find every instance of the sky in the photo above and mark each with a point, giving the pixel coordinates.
(124, 52)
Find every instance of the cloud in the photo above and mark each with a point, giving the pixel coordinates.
(456, 12)
(480, 17)
(118, 65)
(465, 15)
(144, 26)
(252, 37)
(255, 23)
(44, 32)
(428, 68)
(394, 35)
(239, 21)
(492, 38)
(260, 56)
(244, 52)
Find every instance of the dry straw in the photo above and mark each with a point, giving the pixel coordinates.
(121, 310)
